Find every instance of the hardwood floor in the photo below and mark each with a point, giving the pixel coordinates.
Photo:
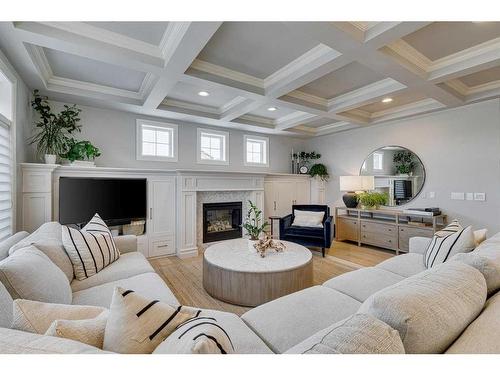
(184, 276)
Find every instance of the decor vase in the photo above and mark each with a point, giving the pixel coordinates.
(50, 159)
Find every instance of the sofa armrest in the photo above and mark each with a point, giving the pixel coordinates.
(328, 231)
(418, 245)
(126, 243)
(285, 223)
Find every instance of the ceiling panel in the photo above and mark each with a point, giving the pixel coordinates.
(482, 77)
(189, 93)
(348, 78)
(406, 97)
(273, 115)
(319, 122)
(149, 32)
(255, 48)
(440, 39)
(79, 68)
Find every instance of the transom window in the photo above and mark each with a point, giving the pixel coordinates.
(156, 141)
(256, 151)
(212, 147)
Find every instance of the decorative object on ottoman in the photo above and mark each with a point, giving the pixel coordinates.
(268, 243)
(254, 224)
(353, 185)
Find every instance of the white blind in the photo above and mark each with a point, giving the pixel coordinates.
(5, 180)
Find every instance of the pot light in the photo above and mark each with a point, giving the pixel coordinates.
(272, 109)
(203, 93)
(386, 100)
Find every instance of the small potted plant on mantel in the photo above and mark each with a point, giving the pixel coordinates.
(81, 153)
(254, 225)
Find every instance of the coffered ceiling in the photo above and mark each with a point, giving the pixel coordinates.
(295, 78)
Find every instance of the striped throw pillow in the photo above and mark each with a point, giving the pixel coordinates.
(451, 240)
(137, 325)
(90, 249)
(198, 335)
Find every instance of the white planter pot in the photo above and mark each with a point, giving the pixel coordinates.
(50, 159)
(82, 163)
(250, 245)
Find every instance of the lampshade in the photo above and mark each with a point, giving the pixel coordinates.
(357, 183)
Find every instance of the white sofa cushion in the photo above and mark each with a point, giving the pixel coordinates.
(137, 324)
(87, 331)
(431, 309)
(19, 342)
(48, 239)
(5, 307)
(490, 268)
(358, 334)
(148, 284)
(288, 320)
(6, 244)
(30, 274)
(404, 265)
(308, 218)
(128, 265)
(362, 283)
(36, 317)
(482, 335)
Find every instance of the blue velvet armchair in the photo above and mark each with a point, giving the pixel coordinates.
(308, 236)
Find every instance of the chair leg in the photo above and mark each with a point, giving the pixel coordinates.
(323, 251)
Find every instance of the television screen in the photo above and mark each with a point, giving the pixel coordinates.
(117, 201)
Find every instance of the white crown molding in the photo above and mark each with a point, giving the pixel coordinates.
(232, 103)
(309, 98)
(232, 75)
(458, 86)
(40, 62)
(172, 38)
(406, 110)
(190, 106)
(465, 90)
(412, 55)
(147, 84)
(332, 128)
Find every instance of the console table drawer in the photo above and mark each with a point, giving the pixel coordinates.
(347, 229)
(379, 239)
(378, 228)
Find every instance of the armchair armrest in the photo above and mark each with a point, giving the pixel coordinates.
(285, 223)
(126, 243)
(418, 245)
(327, 227)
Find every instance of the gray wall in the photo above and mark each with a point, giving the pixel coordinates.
(460, 150)
(114, 133)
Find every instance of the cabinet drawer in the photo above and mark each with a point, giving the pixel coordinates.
(379, 239)
(347, 229)
(161, 246)
(379, 228)
(405, 233)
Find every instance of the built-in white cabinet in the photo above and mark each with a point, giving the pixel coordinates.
(280, 193)
(160, 225)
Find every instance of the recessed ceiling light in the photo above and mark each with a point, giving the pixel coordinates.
(386, 100)
(272, 109)
(203, 93)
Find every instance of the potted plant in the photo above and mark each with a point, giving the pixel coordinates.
(320, 171)
(254, 225)
(52, 130)
(372, 199)
(404, 163)
(81, 153)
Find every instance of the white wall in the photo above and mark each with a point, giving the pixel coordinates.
(460, 149)
(114, 133)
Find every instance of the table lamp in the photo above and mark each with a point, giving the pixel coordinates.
(355, 184)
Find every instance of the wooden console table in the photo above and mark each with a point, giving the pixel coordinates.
(389, 229)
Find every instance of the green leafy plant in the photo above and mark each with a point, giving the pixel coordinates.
(372, 199)
(306, 157)
(320, 171)
(52, 130)
(404, 162)
(80, 150)
(254, 223)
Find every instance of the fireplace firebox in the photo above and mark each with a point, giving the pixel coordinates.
(221, 221)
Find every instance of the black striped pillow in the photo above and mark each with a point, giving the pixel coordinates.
(451, 240)
(198, 335)
(90, 249)
(137, 324)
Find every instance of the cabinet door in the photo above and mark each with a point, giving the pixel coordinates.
(285, 197)
(161, 201)
(302, 192)
(269, 199)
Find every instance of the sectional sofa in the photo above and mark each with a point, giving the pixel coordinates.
(391, 291)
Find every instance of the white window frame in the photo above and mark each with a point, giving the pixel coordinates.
(248, 137)
(174, 129)
(225, 146)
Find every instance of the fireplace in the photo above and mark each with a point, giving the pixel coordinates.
(221, 221)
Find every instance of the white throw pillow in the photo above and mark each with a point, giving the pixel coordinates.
(36, 317)
(137, 324)
(199, 335)
(87, 331)
(490, 268)
(308, 219)
(90, 249)
(453, 239)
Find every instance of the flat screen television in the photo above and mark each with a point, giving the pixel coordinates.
(117, 201)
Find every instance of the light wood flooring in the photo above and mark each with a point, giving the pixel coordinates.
(184, 276)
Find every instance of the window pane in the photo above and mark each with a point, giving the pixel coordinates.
(163, 136)
(205, 154)
(162, 150)
(148, 135)
(148, 148)
(205, 141)
(256, 151)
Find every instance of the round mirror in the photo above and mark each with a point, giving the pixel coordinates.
(398, 172)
